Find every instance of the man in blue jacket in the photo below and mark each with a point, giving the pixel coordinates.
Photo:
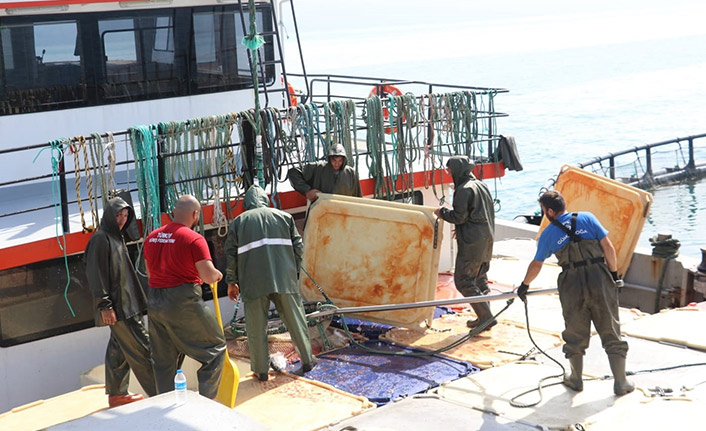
(263, 251)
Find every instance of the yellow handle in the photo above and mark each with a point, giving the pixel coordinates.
(216, 305)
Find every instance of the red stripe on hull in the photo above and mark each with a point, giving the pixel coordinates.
(46, 249)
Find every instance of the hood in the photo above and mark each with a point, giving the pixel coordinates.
(255, 197)
(108, 222)
(338, 150)
(461, 168)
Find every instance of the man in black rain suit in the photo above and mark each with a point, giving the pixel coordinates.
(332, 176)
(474, 217)
(120, 303)
(588, 287)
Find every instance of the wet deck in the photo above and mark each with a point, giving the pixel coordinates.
(670, 377)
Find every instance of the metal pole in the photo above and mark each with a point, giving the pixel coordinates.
(692, 162)
(612, 167)
(64, 196)
(435, 303)
(161, 177)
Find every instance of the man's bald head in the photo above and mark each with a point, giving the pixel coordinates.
(186, 210)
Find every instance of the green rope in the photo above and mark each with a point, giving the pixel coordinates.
(56, 148)
(253, 42)
(145, 154)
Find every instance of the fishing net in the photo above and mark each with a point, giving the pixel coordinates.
(282, 343)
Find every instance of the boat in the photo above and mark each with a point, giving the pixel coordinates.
(157, 87)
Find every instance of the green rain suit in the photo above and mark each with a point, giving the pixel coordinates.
(263, 251)
(587, 293)
(321, 176)
(114, 284)
(474, 218)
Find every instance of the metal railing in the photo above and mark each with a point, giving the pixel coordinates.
(651, 165)
(66, 172)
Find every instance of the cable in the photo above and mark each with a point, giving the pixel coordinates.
(539, 387)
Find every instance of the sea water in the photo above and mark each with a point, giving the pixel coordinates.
(584, 80)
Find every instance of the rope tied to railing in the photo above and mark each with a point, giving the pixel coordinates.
(57, 148)
(78, 145)
(146, 172)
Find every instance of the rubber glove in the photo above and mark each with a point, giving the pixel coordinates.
(619, 283)
(522, 291)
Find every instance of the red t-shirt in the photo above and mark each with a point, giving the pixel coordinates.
(171, 253)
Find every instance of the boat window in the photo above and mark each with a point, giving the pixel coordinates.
(215, 47)
(59, 61)
(221, 59)
(6, 47)
(42, 67)
(139, 57)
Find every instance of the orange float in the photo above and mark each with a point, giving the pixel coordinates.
(293, 99)
(386, 90)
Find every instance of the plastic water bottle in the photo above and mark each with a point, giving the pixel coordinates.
(180, 388)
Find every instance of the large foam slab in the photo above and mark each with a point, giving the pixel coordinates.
(289, 403)
(511, 271)
(45, 413)
(428, 412)
(502, 344)
(369, 252)
(545, 314)
(161, 413)
(683, 326)
(621, 209)
(559, 408)
(652, 414)
(679, 371)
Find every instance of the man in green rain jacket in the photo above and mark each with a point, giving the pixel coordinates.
(263, 251)
(120, 303)
(332, 176)
(474, 217)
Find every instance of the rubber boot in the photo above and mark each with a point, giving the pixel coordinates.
(575, 379)
(621, 385)
(305, 368)
(482, 310)
(120, 400)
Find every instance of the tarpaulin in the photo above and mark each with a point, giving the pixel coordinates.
(373, 330)
(384, 378)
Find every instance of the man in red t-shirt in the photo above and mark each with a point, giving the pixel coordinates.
(180, 323)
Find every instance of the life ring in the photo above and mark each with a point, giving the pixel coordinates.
(293, 99)
(386, 90)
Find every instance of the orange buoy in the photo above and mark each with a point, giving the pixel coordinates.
(293, 99)
(386, 90)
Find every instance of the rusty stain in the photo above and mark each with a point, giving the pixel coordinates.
(618, 207)
(656, 265)
(367, 256)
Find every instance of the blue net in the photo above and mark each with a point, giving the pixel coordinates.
(385, 378)
(373, 330)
